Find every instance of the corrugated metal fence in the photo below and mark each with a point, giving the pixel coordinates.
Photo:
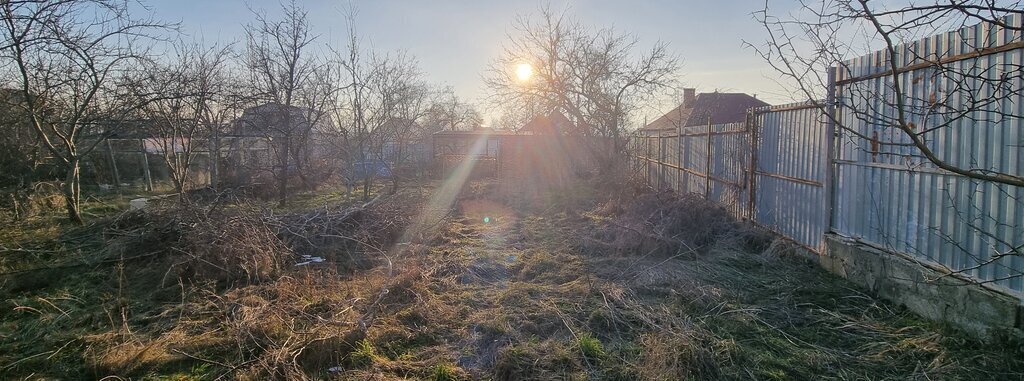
(679, 160)
(791, 172)
(969, 111)
(788, 169)
(786, 147)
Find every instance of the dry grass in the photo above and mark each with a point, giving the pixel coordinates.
(656, 287)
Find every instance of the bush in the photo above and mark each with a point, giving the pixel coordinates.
(662, 223)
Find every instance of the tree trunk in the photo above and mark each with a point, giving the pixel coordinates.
(213, 158)
(73, 193)
(394, 183)
(301, 159)
(394, 176)
(367, 183)
(283, 180)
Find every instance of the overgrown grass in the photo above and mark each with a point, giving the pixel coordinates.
(363, 355)
(578, 285)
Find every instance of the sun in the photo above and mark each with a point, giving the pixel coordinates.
(524, 71)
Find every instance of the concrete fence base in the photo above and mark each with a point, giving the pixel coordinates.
(974, 308)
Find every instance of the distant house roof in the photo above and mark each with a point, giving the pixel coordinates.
(554, 123)
(721, 107)
(551, 124)
(268, 120)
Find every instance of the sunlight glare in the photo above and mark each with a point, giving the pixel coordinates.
(444, 197)
(524, 71)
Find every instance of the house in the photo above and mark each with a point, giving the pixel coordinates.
(269, 120)
(254, 142)
(697, 108)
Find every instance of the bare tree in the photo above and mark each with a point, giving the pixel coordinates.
(20, 153)
(281, 62)
(405, 125)
(597, 76)
(194, 101)
(311, 153)
(374, 93)
(74, 62)
(448, 112)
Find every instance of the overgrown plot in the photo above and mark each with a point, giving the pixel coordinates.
(569, 286)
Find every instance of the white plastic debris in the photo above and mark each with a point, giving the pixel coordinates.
(307, 259)
(137, 204)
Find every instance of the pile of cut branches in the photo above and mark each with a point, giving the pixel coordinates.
(201, 244)
(664, 223)
(252, 244)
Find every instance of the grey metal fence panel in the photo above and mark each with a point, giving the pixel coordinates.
(790, 172)
(888, 194)
(730, 160)
(679, 160)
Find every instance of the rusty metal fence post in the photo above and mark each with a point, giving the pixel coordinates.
(752, 171)
(679, 159)
(707, 167)
(830, 151)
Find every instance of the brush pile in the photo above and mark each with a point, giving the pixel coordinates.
(661, 223)
(201, 245)
(247, 244)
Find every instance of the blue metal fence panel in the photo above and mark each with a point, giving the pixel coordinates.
(969, 111)
(791, 172)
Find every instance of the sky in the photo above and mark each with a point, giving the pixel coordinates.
(454, 41)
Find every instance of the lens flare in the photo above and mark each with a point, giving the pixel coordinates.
(445, 195)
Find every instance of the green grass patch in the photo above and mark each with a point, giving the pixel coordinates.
(590, 346)
(443, 372)
(363, 355)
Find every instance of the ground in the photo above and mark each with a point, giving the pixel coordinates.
(583, 283)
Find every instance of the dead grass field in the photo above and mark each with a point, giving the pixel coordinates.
(587, 283)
